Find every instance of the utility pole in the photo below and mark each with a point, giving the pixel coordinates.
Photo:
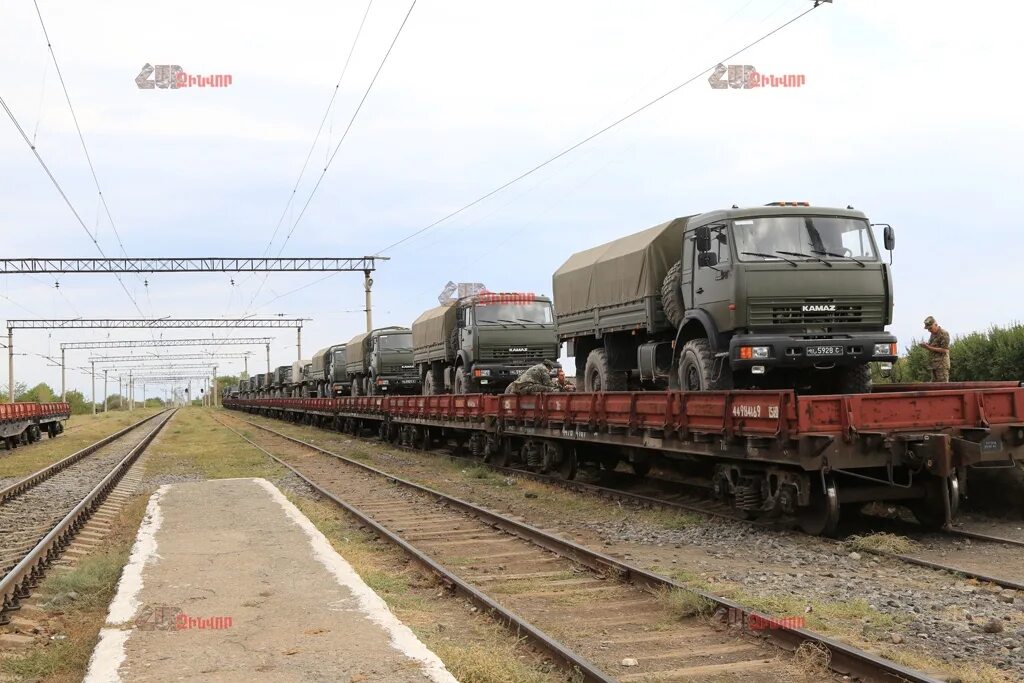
(93, 364)
(247, 366)
(367, 284)
(10, 363)
(268, 359)
(213, 394)
(131, 392)
(63, 393)
(120, 396)
(298, 342)
(104, 390)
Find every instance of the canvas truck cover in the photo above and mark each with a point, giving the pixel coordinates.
(319, 362)
(430, 331)
(626, 270)
(297, 370)
(355, 353)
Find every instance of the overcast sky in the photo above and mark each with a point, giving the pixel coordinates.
(909, 112)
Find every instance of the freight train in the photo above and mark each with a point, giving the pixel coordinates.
(25, 423)
(765, 452)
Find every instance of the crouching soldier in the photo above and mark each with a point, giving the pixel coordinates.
(535, 380)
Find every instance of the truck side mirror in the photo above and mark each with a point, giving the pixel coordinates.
(703, 234)
(707, 259)
(889, 237)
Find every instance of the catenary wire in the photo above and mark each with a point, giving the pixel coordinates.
(596, 134)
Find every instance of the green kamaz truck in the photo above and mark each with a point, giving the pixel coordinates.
(779, 296)
(380, 362)
(327, 375)
(481, 343)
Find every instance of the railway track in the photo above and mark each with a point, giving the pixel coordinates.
(40, 514)
(684, 498)
(597, 615)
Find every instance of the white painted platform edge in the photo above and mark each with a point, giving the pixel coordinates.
(110, 653)
(373, 606)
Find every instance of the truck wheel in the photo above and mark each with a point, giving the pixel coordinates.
(433, 382)
(461, 380)
(672, 294)
(598, 375)
(855, 379)
(355, 386)
(697, 368)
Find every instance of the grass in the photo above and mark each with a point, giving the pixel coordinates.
(75, 623)
(473, 647)
(882, 543)
(81, 431)
(685, 604)
(198, 445)
(963, 673)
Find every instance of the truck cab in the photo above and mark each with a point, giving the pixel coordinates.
(381, 362)
(499, 336)
(781, 295)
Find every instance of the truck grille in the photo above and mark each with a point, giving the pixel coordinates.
(793, 312)
(519, 356)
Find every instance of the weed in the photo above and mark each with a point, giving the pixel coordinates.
(685, 604)
(882, 543)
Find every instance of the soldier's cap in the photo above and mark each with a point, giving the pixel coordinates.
(549, 364)
(928, 322)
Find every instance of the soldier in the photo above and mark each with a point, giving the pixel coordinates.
(938, 350)
(534, 380)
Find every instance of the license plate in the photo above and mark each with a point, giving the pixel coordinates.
(824, 350)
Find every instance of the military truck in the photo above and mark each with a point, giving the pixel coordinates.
(327, 374)
(260, 387)
(481, 343)
(297, 379)
(380, 362)
(785, 295)
(280, 380)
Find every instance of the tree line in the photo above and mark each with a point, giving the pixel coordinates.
(996, 354)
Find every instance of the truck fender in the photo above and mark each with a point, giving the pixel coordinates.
(462, 358)
(696, 324)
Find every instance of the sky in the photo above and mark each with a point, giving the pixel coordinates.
(907, 112)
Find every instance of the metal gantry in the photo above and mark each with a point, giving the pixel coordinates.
(188, 265)
(145, 323)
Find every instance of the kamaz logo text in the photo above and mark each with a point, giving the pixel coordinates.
(517, 349)
(819, 308)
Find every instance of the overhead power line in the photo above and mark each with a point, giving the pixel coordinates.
(88, 157)
(597, 133)
(351, 121)
(337, 147)
(316, 138)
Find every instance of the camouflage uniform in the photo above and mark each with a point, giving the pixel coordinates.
(535, 380)
(938, 363)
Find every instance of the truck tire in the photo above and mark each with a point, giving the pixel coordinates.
(355, 385)
(461, 384)
(433, 380)
(697, 368)
(855, 379)
(598, 375)
(672, 294)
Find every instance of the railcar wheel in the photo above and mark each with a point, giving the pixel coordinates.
(640, 469)
(821, 517)
(560, 460)
(930, 511)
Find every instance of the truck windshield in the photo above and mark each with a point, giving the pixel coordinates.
(825, 237)
(532, 312)
(395, 342)
(339, 357)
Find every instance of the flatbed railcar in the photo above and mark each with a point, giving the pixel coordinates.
(763, 451)
(25, 423)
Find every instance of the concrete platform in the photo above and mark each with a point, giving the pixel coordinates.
(228, 581)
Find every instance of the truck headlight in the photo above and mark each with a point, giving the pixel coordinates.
(885, 349)
(752, 352)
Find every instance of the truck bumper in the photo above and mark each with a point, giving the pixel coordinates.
(486, 375)
(398, 385)
(748, 351)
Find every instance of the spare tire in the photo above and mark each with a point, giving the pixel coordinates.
(672, 294)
